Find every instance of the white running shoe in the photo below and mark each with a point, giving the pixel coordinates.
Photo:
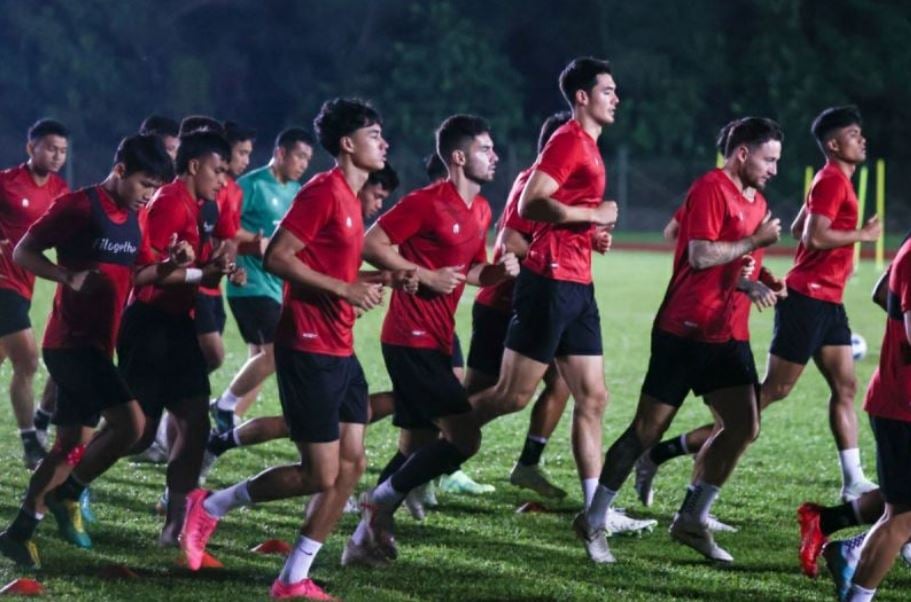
(851, 492)
(533, 477)
(595, 540)
(415, 505)
(380, 524)
(906, 553)
(646, 470)
(362, 555)
(351, 506)
(716, 526)
(157, 452)
(619, 523)
(690, 532)
(428, 495)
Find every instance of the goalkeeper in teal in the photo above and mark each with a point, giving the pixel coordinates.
(268, 192)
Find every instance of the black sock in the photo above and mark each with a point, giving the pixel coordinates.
(620, 459)
(667, 450)
(41, 420)
(219, 443)
(394, 464)
(531, 452)
(23, 526)
(29, 435)
(429, 462)
(836, 518)
(71, 489)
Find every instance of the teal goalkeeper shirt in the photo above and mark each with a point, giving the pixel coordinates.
(266, 201)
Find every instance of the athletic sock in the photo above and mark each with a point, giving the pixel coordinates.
(297, 566)
(24, 525)
(393, 465)
(28, 434)
(851, 470)
(669, 449)
(388, 496)
(432, 460)
(597, 511)
(699, 499)
(361, 533)
(860, 594)
(70, 489)
(835, 518)
(219, 443)
(221, 502)
(41, 420)
(589, 486)
(532, 450)
(227, 401)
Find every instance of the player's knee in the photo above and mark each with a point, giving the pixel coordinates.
(845, 391)
(594, 403)
(647, 432)
(777, 391)
(24, 365)
(468, 443)
(325, 477)
(134, 427)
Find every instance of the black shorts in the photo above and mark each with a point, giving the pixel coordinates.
(553, 318)
(893, 459)
(803, 325)
(678, 366)
(458, 360)
(318, 392)
(210, 314)
(423, 386)
(488, 333)
(13, 312)
(160, 359)
(257, 318)
(87, 383)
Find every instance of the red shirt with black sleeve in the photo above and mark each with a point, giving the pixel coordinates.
(21, 203)
(230, 203)
(434, 228)
(823, 274)
(564, 251)
(889, 393)
(700, 304)
(91, 233)
(325, 216)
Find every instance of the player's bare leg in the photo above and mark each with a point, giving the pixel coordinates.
(213, 350)
(191, 422)
(22, 352)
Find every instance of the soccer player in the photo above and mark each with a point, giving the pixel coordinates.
(164, 127)
(267, 194)
(99, 247)
(811, 321)
(317, 251)
(693, 347)
(26, 191)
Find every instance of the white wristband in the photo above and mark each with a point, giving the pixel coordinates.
(193, 276)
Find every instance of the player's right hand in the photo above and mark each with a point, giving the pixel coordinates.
(871, 230)
(364, 295)
(768, 232)
(748, 266)
(444, 280)
(762, 296)
(605, 214)
(601, 240)
(180, 253)
(405, 281)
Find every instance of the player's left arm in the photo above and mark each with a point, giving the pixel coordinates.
(29, 254)
(489, 274)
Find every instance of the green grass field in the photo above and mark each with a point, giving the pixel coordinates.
(480, 548)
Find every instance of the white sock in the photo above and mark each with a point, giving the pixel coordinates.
(538, 439)
(386, 495)
(860, 594)
(297, 567)
(227, 401)
(361, 533)
(221, 502)
(700, 503)
(27, 431)
(597, 511)
(683, 445)
(851, 471)
(589, 486)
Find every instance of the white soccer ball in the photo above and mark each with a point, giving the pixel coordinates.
(858, 346)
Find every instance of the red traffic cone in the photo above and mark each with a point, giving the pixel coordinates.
(22, 587)
(272, 546)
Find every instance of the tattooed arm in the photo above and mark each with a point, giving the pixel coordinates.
(706, 254)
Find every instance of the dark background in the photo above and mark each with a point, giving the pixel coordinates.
(683, 70)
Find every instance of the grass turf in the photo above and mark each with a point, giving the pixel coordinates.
(479, 548)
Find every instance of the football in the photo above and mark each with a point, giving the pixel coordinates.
(858, 346)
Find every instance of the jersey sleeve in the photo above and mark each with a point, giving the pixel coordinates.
(560, 157)
(512, 219)
(481, 254)
(826, 197)
(66, 215)
(311, 210)
(705, 211)
(902, 281)
(405, 218)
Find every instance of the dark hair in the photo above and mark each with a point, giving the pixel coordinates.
(434, 167)
(550, 125)
(235, 132)
(199, 144)
(159, 125)
(200, 123)
(386, 177)
(721, 140)
(832, 119)
(288, 137)
(47, 127)
(456, 133)
(145, 153)
(581, 74)
(753, 132)
(340, 117)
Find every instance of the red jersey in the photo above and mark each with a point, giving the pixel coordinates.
(91, 232)
(823, 274)
(499, 296)
(889, 393)
(21, 203)
(230, 202)
(700, 304)
(433, 228)
(174, 210)
(564, 252)
(326, 216)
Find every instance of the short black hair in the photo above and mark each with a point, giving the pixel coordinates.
(551, 125)
(235, 132)
(435, 168)
(833, 119)
(200, 123)
(159, 125)
(386, 177)
(199, 144)
(581, 74)
(145, 153)
(340, 117)
(47, 127)
(721, 140)
(288, 137)
(752, 132)
(456, 133)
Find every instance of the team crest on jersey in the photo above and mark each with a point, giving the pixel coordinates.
(348, 222)
(455, 229)
(25, 202)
